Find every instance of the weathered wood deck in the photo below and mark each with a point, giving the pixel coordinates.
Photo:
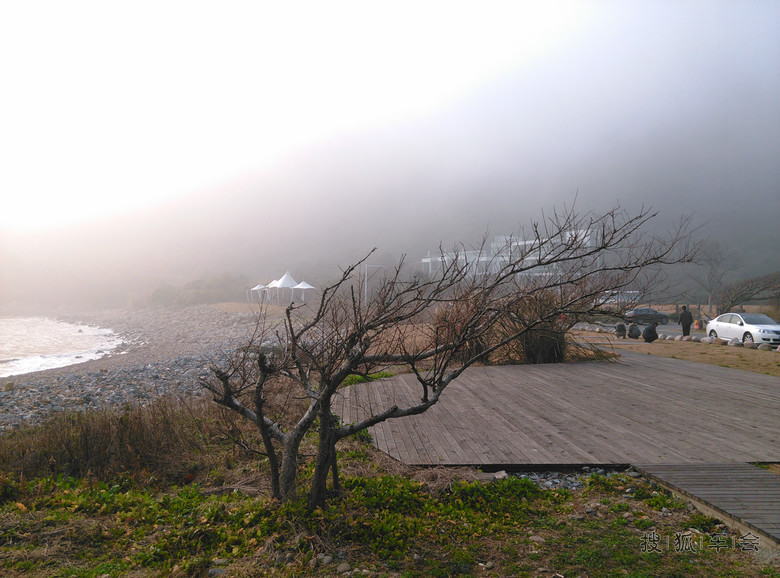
(693, 428)
(643, 409)
(741, 494)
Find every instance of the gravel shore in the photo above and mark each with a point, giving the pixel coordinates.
(163, 352)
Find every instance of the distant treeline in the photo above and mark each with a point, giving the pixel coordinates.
(215, 289)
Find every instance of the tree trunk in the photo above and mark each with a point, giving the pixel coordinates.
(326, 457)
(289, 470)
(273, 459)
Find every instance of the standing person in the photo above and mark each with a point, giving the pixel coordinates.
(650, 334)
(686, 319)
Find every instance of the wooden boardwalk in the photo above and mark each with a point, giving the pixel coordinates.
(693, 428)
(744, 495)
(644, 409)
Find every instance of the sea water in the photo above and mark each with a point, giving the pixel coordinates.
(30, 344)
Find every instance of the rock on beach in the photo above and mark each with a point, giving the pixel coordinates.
(163, 352)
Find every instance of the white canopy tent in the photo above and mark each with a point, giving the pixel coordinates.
(303, 285)
(286, 282)
(258, 288)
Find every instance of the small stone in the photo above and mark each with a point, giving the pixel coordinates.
(327, 559)
(537, 539)
(635, 474)
(342, 568)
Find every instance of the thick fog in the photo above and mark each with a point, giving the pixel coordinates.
(670, 105)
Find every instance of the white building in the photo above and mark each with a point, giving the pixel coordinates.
(505, 249)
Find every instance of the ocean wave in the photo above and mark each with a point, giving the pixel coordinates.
(29, 344)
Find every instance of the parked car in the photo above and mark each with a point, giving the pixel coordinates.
(747, 327)
(646, 315)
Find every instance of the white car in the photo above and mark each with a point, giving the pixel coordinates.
(747, 327)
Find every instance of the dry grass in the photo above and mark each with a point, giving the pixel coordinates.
(767, 362)
(167, 441)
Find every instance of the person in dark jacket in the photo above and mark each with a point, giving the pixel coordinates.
(650, 334)
(686, 320)
(633, 331)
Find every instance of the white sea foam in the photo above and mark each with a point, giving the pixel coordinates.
(30, 344)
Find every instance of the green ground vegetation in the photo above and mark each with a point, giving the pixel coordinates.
(69, 507)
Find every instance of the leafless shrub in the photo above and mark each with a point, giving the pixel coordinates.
(559, 271)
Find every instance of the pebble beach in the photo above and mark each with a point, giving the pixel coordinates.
(163, 352)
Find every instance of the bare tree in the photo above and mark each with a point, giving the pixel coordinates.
(717, 262)
(285, 380)
(756, 289)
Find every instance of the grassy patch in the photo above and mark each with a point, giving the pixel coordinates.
(198, 501)
(356, 378)
(413, 523)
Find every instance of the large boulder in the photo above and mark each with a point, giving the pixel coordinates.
(719, 341)
(734, 342)
(765, 347)
(707, 340)
(690, 338)
(749, 345)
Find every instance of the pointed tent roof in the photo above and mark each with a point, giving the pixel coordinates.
(286, 281)
(303, 285)
(258, 287)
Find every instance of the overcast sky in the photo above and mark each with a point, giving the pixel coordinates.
(437, 119)
(115, 105)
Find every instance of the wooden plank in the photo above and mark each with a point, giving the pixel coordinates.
(586, 413)
(599, 413)
(743, 493)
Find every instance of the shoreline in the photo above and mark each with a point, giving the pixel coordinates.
(162, 352)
